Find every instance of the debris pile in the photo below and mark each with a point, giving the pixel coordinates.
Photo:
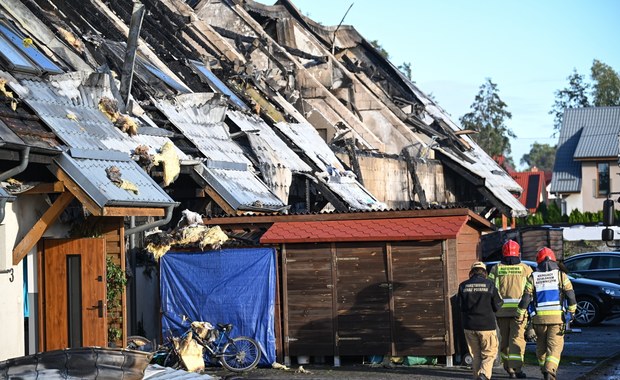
(189, 232)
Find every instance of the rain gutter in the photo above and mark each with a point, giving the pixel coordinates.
(23, 164)
(149, 226)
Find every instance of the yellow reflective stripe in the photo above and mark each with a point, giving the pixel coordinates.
(549, 312)
(520, 311)
(510, 306)
(553, 359)
(515, 357)
(541, 363)
(504, 356)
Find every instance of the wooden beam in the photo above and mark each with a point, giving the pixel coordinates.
(36, 232)
(133, 211)
(46, 188)
(77, 191)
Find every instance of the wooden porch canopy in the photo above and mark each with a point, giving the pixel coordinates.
(83, 176)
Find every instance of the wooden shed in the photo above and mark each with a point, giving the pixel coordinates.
(376, 283)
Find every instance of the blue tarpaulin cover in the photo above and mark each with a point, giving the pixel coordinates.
(222, 286)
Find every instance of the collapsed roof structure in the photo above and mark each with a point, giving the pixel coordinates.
(229, 107)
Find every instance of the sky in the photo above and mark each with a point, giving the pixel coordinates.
(527, 48)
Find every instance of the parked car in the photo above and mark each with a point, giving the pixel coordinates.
(596, 300)
(603, 266)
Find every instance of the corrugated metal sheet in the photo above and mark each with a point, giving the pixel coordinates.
(276, 160)
(200, 117)
(268, 146)
(241, 189)
(334, 176)
(69, 105)
(88, 170)
(566, 171)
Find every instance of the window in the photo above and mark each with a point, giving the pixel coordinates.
(172, 83)
(217, 85)
(608, 262)
(602, 179)
(581, 264)
(21, 56)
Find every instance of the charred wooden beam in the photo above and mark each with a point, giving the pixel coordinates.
(355, 164)
(417, 188)
(130, 54)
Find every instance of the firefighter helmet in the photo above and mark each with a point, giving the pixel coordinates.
(543, 254)
(511, 249)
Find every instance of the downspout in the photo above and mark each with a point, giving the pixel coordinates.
(23, 164)
(148, 226)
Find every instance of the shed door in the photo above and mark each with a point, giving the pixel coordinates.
(363, 291)
(308, 310)
(420, 307)
(74, 294)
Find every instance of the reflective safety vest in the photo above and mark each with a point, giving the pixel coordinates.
(548, 295)
(510, 280)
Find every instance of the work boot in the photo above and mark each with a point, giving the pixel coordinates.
(482, 376)
(520, 375)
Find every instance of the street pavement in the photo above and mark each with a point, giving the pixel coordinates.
(592, 354)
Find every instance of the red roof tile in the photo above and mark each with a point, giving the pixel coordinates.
(523, 179)
(398, 229)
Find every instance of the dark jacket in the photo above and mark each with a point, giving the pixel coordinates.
(478, 301)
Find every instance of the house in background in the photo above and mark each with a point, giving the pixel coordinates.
(586, 162)
(534, 183)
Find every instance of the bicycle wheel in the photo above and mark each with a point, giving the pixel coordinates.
(241, 354)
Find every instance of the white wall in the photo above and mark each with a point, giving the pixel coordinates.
(11, 301)
(20, 217)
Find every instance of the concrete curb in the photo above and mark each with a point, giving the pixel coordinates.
(597, 368)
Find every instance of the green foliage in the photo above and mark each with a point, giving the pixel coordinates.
(606, 88)
(554, 214)
(405, 68)
(380, 49)
(116, 280)
(573, 96)
(541, 156)
(488, 118)
(605, 91)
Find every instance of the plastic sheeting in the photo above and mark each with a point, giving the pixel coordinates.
(225, 286)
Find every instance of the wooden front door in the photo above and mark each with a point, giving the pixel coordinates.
(73, 294)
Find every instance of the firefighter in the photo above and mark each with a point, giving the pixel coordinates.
(510, 277)
(478, 301)
(549, 289)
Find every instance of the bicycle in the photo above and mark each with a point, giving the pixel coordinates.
(235, 354)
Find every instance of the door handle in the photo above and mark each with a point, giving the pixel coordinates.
(98, 306)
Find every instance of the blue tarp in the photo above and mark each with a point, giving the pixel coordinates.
(225, 286)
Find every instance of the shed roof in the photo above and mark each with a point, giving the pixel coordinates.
(396, 229)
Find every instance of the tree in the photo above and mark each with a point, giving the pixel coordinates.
(573, 96)
(488, 117)
(541, 155)
(405, 68)
(606, 87)
(380, 49)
